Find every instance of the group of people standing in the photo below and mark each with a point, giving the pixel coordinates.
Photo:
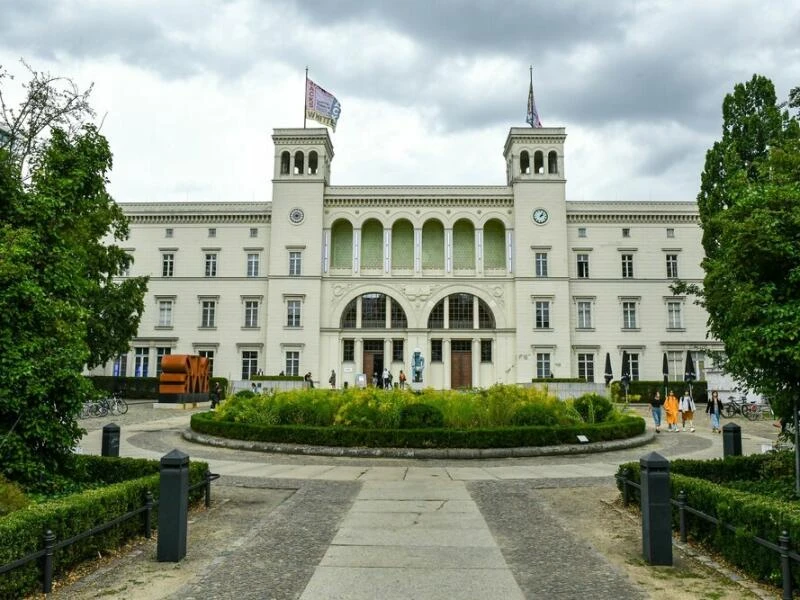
(386, 379)
(674, 409)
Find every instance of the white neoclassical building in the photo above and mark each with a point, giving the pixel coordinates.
(490, 283)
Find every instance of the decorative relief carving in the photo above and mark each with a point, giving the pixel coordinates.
(340, 289)
(497, 292)
(419, 294)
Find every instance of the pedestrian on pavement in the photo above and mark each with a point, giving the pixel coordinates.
(402, 379)
(671, 408)
(332, 379)
(714, 409)
(655, 408)
(385, 379)
(216, 395)
(687, 408)
(307, 378)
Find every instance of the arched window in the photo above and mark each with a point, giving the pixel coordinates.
(373, 311)
(463, 244)
(285, 159)
(436, 318)
(525, 163)
(538, 162)
(433, 245)
(552, 162)
(349, 315)
(402, 244)
(494, 245)
(299, 161)
(374, 306)
(371, 244)
(461, 313)
(313, 160)
(342, 245)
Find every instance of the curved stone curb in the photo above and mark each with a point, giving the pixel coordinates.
(462, 453)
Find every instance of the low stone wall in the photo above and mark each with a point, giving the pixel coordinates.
(268, 384)
(566, 390)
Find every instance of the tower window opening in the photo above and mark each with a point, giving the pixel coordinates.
(538, 162)
(552, 162)
(313, 162)
(285, 158)
(299, 162)
(525, 163)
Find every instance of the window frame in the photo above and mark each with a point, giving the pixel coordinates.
(295, 263)
(167, 264)
(486, 351)
(208, 313)
(169, 305)
(543, 365)
(253, 264)
(540, 264)
(211, 264)
(437, 350)
(249, 363)
(541, 313)
(582, 265)
(292, 362)
(627, 265)
(294, 313)
(586, 366)
(672, 265)
(630, 319)
(251, 310)
(583, 314)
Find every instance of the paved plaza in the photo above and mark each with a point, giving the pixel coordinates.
(321, 527)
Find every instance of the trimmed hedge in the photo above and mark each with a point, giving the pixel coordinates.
(503, 437)
(131, 388)
(276, 378)
(751, 514)
(22, 531)
(647, 389)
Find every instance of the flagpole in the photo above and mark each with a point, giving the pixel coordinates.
(305, 91)
(531, 89)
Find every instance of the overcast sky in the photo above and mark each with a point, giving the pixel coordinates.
(190, 90)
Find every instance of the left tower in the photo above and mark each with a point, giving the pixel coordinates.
(301, 171)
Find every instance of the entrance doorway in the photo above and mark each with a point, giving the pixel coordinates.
(373, 360)
(460, 364)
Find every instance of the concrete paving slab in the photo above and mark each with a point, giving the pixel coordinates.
(414, 506)
(414, 490)
(460, 538)
(414, 558)
(344, 473)
(334, 583)
(425, 520)
(384, 474)
(469, 474)
(427, 474)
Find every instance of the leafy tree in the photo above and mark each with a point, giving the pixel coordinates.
(749, 205)
(60, 307)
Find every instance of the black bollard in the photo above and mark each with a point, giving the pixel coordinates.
(110, 440)
(173, 507)
(656, 510)
(731, 440)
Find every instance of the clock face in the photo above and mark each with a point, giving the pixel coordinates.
(540, 216)
(296, 215)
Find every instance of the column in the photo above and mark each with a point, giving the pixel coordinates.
(446, 360)
(417, 250)
(356, 249)
(476, 362)
(387, 250)
(448, 250)
(479, 252)
(359, 355)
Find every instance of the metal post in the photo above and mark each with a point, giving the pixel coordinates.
(786, 565)
(626, 475)
(731, 440)
(656, 510)
(208, 488)
(110, 440)
(49, 543)
(148, 514)
(682, 501)
(173, 507)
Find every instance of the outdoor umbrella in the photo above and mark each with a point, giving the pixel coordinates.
(625, 377)
(688, 372)
(665, 371)
(609, 374)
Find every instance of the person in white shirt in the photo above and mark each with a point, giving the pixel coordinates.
(687, 408)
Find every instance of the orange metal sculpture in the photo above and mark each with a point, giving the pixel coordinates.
(184, 378)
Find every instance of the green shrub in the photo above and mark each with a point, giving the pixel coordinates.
(593, 408)
(11, 497)
(420, 416)
(244, 394)
(534, 414)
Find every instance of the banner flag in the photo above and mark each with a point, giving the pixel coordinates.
(533, 115)
(322, 106)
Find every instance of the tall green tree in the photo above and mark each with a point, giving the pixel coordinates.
(61, 308)
(749, 205)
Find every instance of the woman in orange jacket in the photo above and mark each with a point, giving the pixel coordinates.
(671, 408)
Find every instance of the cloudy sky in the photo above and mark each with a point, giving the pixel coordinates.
(190, 90)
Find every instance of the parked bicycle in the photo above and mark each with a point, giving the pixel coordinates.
(751, 410)
(115, 404)
(93, 409)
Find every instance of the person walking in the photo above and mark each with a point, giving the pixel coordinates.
(687, 408)
(714, 410)
(332, 379)
(655, 408)
(385, 379)
(402, 379)
(671, 409)
(216, 395)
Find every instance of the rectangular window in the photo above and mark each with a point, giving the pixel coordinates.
(161, 353)
(251, 313)
(542, 314)
(674, 316)
(293, 313)
(626, 232)
(209, 354)
(211, 264)
(348, 350)
(436, 350)
(120, 368)
(253, 232)
(397, 350)
(292, 363)
(212, 232)
(249, 363)
(584, 314)
(633, 363)
(676, 358)
(165, 313)
(141, 362)
(252, 264)
(627, 266)
(295, 263)
(541, 264)
(586, 366)
(583, 266)
(486, 351)
(208, 317)
(670, 232)
(672, 266)
(168, 232)
(629, 315)
(167, 264)
(543, 365)
(581, 232)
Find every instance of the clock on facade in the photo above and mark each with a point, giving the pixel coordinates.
(296, 215)
(540, 216)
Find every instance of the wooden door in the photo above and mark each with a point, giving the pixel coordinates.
(460, 364)
(369, 365)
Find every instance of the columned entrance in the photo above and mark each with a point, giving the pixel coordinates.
(373, 359)
(460, 364)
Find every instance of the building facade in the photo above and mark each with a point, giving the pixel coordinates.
(489, 283)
